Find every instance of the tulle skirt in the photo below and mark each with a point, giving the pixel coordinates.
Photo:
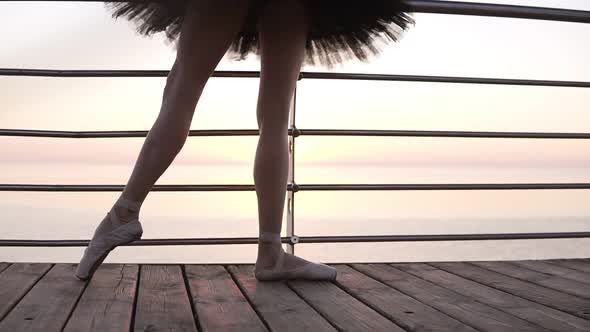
(340, 30)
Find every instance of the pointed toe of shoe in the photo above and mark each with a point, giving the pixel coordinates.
(100, 247)
(80, 276)
(334, 274)
(317, 271)
(328, 273)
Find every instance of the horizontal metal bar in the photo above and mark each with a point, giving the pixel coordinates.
(304, 239)
(108, 187)
(112, 73)
(296, 187)
(442, 186)
(120, 133)
(310, 75)
(443, 79)
(295, 132)
(442, 237)
(145, 242)
(467, 8)
(498, 10)
(437, 133)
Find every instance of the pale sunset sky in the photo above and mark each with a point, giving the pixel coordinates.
(63, 35)
(70, 35)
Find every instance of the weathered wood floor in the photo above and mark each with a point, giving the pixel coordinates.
(547, 295)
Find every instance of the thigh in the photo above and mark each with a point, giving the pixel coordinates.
(208, 28)
(282, 29)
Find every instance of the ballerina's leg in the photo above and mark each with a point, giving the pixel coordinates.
(208, 29)
(282, 33)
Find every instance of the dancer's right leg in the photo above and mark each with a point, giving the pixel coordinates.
(208, 29)
(282, 32)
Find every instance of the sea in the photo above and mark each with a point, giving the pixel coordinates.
(74, 215)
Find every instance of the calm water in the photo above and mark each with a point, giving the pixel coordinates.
(133, 103)
(44, 215)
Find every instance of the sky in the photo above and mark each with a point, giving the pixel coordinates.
(450, 45)
(70, 35)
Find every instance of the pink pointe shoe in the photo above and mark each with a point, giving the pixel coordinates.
(111, 232)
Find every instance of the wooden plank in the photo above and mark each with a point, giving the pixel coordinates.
(543, 279)
(277, 304)
(3, 266)
(556, 270)
(48, 304)
(163, 303)
(107, 302)
(531, 311)
(576, 264)
(574, 305)
(460, 307)
(16, 281)
(341, 309)
(218, 301)
(404, 310)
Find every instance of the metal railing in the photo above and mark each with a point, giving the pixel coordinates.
(440, 7)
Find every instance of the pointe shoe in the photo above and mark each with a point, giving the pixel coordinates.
(102, 244)
(309, 271)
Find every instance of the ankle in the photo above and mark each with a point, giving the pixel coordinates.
(128, 203)
(269, 249)
(269, 238)
(126, 210)
(269, 244)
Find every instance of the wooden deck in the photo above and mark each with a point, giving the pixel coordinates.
(547, 295)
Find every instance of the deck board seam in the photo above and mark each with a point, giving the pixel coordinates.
(6, 267)
(515, 263)
(190, 298)
(476, 300)
(27, 292)
(408, 295)
(534, 283)
(135, 299)
(67, 320)
(549, 275)
(313, 307)
(563, 266)
(505, 291)
(377, 309)
(245, 294)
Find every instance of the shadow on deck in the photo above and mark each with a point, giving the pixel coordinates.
(526, 295)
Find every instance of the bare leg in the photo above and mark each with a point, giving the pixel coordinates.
(208, 29)
(283, 32)
(282, 36)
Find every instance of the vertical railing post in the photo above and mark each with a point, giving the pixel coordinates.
(291, 176)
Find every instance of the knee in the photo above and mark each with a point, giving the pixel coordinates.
(180, 96)
(185, 74)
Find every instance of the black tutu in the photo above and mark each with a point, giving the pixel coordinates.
(340, 30)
